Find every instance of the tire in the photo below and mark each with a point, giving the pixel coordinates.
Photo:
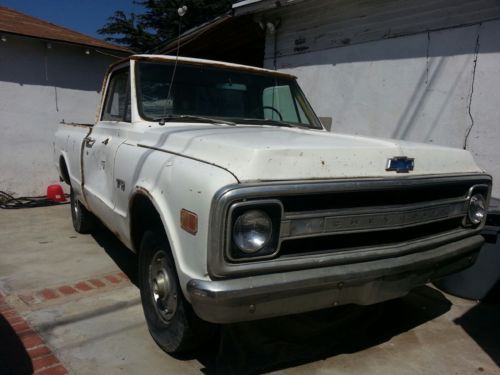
(171, 320)
(83, 220)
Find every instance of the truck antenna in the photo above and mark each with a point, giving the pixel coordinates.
(181, 12)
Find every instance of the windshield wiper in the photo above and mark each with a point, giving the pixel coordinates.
(271, 122)
(195, 118)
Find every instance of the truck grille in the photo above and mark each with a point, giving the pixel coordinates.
(345, 221)
(366, 196)
(374, 238)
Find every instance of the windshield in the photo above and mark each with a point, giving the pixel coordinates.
(210, 92)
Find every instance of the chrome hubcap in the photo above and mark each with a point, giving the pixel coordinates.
(161, 286)
(75, 207)
(161, 279)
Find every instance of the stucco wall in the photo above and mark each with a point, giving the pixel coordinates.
(423, 87)
(39, 87)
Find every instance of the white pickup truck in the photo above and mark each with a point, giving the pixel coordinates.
(242, 206)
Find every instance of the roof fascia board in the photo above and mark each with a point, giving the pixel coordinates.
(58, 41)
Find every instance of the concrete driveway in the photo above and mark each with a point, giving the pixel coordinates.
(69, 303)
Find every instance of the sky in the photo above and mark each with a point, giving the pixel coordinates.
(84, 16)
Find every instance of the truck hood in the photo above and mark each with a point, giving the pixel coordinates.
(279, 153)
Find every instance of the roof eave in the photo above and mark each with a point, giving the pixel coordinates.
(123, 51)
(190, 34)
(257, 6)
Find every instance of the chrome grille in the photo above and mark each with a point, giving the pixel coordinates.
(336, 222)
(370, 219)
(391, 213)
(375, 239)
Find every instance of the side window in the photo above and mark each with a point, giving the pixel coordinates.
(117, 103)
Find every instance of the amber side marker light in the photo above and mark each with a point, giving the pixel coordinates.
(189, 221)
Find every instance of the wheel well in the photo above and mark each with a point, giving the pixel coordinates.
(63, 168)
(143, 216)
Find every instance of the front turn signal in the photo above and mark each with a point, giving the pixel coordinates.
(189, 221)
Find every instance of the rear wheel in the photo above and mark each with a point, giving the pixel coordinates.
(170, 318)
(83, 220)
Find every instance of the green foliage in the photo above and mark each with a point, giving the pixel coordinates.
(159, 22)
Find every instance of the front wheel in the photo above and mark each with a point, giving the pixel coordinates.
(171, 320)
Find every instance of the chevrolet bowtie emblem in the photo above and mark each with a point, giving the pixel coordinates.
(400, 164)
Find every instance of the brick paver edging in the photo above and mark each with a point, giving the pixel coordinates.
(118, 279)
(22, 350)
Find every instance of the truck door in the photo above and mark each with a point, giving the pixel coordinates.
(100, 146)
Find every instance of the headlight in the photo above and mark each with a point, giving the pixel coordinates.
(477, 209)
(252, 231)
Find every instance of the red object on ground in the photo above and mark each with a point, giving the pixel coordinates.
(55, 193)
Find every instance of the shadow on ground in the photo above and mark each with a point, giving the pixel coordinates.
(482, 323)
(279, 343)
(125, 259)
(14, 358)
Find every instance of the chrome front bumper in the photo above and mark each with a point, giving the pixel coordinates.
(277, 294)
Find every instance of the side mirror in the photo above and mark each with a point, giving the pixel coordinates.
(327, 122)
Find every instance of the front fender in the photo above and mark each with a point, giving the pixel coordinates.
(173, 182)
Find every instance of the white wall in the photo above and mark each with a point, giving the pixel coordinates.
(419, 87)
(39, 87)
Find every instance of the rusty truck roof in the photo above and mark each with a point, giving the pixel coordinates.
(214, 63)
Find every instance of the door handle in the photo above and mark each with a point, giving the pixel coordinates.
(89, 142)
